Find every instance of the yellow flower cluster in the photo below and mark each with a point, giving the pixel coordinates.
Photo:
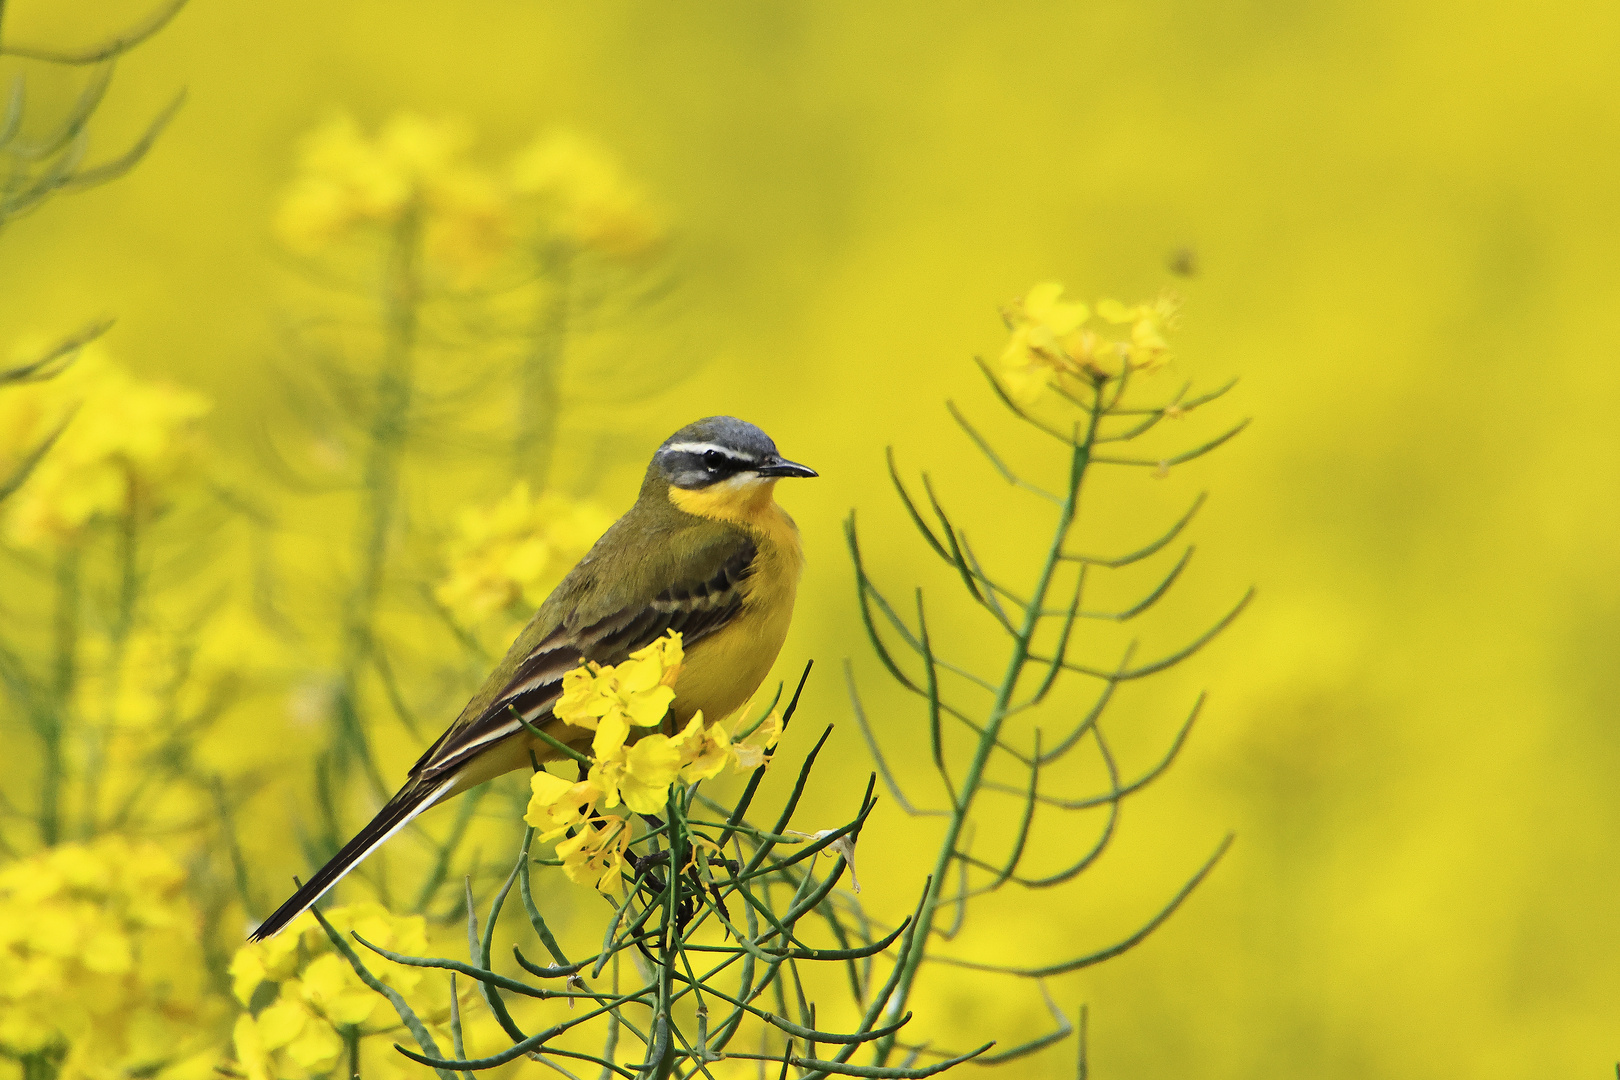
(612, 701)
(100, 961)
(580, 195)
(1057, 339)
(471, 217)
(512, 553)
(299, 1031)
(414, 169)
(126, 444)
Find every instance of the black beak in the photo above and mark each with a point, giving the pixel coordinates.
(779, 467)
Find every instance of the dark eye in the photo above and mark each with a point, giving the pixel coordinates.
(714, 460)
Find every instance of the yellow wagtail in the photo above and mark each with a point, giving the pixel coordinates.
(705, 551)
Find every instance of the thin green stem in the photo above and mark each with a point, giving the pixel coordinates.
(912, 958)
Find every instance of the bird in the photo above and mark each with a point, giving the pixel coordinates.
(705, 550)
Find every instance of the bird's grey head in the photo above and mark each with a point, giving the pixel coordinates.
(718, 448)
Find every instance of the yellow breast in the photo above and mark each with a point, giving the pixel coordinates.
(723, 670)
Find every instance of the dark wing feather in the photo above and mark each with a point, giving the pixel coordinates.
(696, 610)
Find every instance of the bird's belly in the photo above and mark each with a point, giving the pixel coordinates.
(722, 671)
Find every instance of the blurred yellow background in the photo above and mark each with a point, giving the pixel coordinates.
(1404, 226)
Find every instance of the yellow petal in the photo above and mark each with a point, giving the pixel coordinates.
(611, 733)
(1042, 307)
(654, 759)
(545, 789)
(1116, 312)
(1042, 296)
(636, 675)
(648, 708)
(250, 1053)
(247, 972)
(317, 1048)
(643, 798)
(282, 1022)
(748, 757)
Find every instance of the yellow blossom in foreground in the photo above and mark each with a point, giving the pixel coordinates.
(100, 959)
(317, 995)
(513, 552)
(126, 444)
(594, 855)
(582, 196)
(704, 751)
(609, 700)
(640, 773)
(1054, 340)
(555, 805)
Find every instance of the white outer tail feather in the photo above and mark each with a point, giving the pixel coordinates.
(432, 798)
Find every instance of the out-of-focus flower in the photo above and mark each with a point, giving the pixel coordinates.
(1149, 323)
(609, 700)
(317, 995)
(347, 181)
(1034, 353)
(579, 194)
(514, 552)
(469, 227)
(100, 959)
(137, 693)
(1055, 340)
(561, 189)
(126, 445)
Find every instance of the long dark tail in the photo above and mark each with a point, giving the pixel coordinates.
(389, 820)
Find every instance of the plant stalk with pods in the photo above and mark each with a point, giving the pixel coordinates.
(1041, 651)
(715, 948)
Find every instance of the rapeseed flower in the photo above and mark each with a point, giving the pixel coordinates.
(594, 855)
(315, 997)
(610, 700)
(704, 751)
(752, 750)
(126, 444)
(555, 805)
(100, 960)
(510, 555)
(577, 194)
(639, 774)
(414, 168)
(1054, 340)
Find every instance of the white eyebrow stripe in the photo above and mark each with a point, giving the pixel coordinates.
(705, 447)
